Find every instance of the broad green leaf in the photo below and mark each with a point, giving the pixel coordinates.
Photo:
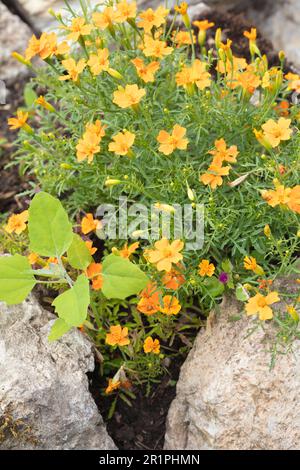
(16, 279)
(78, 254)
(72, 305)
(121, 278)
(227, 266)
(50, 231)
(58, 329)
(241, 293)
(214, 286)
(29, 95)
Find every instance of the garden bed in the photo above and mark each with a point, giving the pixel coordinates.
(142, 425)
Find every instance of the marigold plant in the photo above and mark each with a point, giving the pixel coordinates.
(135, 104)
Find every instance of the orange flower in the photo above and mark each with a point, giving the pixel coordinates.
(183, 38)
(93, 272)
(87, 147)
(51, 260)
(122, 142)
(165, 253)
(203, 25)
(99, 62)
(149, 300)
(247, 80)
(17, 223)
(206, 268)
(171, 305)
(126, 251)
(223, 153)
(236, 64)
(151, 345)
(174, 278)
(155, 48)
(89, 224)
(279, 196)
(96, 128)
(112, 385)
(33, 258)
(150, 18)
(125, 11)
(275, 132)
(295, 85)
(78, 28)
(117, 336)
(213, 177)
(42, 102)
(251, 35)
(18, 122)
(74, 69)
(260, 304)
(46, 46)
(264, 283)
(170, 142)
(250, 264)
(89, 245)
(129, 96)
(294, 200)
(145, 71)
(104, 19)
(197, 74)
(283, 108)
(181, 8)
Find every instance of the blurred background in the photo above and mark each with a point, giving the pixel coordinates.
(277, 20)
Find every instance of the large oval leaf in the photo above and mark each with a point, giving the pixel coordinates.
(58, 329)
(16, 279)
(121, 278)
(78, 254)
(72, 305)
(50, 231)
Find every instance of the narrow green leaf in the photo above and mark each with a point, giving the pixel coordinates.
(121, 278)
(16, 279)
(58, 329)
(50, 231)
(29, 95)
(78, 254)
(72, 305)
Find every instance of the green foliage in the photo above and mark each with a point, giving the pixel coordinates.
(16, 279)
(72, 305)
(58, 329)
(50, 231)
(121, 278)
(78, 254)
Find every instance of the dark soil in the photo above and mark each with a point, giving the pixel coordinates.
(141, 426)
(12, 183)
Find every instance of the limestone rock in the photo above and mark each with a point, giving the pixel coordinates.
(44, 398)
(14, 35)
(227, 396)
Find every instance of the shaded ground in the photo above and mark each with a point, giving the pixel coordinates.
(12, 183)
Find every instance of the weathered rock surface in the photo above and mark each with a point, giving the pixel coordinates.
(227, 396)
(14, 35)
(44, 396)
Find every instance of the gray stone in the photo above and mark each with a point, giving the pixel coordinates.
(44, 396)
(14, 36)
(227, 396)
